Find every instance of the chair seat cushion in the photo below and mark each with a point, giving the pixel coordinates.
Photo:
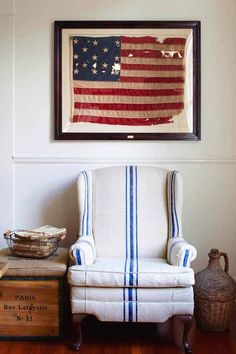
(118, 272)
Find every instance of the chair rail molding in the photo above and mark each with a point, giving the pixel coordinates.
(66, 159)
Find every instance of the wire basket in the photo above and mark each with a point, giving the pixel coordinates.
(39, 246)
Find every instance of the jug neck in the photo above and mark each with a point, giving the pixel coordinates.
(214, 261)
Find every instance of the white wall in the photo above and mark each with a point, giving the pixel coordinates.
(45, 170)
(6, 115)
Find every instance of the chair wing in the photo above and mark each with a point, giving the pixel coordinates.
(179, 252)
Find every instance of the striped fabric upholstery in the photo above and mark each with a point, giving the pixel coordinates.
(110, 272)
(85, 199)
(118, 196)
(154, 305)
(180, 253)
(130, 239)
(130, 216)
(83, 252)
(175, 201)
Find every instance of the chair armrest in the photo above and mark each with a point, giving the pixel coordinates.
(83, 251)
(180, 252)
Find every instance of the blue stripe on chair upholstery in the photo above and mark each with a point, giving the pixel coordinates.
(130, 299)
(174, 214)
(126, 237)
(84, 210)
(180, 253)
(87, 204)
(174, 244)
(83, 251)
(78, 257)
(171, 203)
(136, 219)
(85, 218)
(131, 234)
(174, 204)
(186, 258)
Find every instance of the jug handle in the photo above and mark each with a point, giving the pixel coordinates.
(226, 259)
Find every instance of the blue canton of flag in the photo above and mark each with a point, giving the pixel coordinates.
(96, 58)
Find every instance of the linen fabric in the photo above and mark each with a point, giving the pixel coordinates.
(124, 205)
(83, 251)
(85, 201)
(130, 262)
(152, 305)
(131, 211)
(180, 253)
(175, 203)
(154, 295)
(111, 272)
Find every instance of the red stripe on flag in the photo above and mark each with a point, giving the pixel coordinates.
(127, 92)
(138, 40)
(129, 107)
(149, 39)
(168, 80)
(150, 53)
(152, 67)
(180, 41)
(121, 121)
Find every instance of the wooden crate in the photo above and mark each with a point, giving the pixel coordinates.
(30, 307)
(32, 295)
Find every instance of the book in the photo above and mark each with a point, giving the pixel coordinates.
(51, 230)
(43, 232)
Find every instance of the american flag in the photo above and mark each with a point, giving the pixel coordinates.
(127, 80)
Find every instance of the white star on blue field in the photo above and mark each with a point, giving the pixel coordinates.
(96, 58)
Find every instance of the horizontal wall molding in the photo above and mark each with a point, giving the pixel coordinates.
(60, 159)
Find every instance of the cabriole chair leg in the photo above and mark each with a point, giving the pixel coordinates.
(187, 321)
(77, 331)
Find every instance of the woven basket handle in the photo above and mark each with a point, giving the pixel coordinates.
(8, 233)
(226, 259)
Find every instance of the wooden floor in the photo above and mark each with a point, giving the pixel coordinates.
(116, 338)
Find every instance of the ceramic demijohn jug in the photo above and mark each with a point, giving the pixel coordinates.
(214, 293)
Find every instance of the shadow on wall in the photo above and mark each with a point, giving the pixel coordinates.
(61, 210)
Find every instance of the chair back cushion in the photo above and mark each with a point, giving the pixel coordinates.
(125, 209)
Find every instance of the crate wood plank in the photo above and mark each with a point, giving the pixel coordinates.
(3, 268)
(29, 308)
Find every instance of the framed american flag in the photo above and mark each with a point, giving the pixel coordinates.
(127, 80)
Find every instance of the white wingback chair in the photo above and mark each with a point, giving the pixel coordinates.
(131, 262)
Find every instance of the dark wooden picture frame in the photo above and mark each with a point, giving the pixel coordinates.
(111, 28)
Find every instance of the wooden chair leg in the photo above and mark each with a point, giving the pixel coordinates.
(77, 331)
(187, 323)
